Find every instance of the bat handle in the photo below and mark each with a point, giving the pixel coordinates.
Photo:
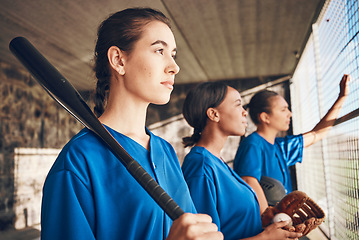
(156, 191)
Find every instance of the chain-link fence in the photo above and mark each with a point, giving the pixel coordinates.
(330, 169)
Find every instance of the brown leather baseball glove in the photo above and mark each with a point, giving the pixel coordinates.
(305, 213)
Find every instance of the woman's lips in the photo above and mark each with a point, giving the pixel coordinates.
(168, 84)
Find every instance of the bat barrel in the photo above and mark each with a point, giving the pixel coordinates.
(68, 97)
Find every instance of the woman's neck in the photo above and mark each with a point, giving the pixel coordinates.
(212, 141)
(267, 133)
(127, 117)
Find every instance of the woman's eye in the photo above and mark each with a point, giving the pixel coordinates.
(160, 51)
(174, 56)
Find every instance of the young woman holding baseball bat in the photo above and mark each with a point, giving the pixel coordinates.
(263, 154)
(215, 112)
(88, 193)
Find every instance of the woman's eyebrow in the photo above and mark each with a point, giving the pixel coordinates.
(162, 43)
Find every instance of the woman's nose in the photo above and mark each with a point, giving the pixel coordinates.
(172, 67)
(245, 113)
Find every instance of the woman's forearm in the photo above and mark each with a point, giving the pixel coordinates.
(253, 182)
(327, 122)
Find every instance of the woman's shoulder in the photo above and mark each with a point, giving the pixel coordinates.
(198, 162)
(83, 141)
(78, 152)
(252, 139)
(201, 156)
(195, 154)
(289, 139)
(252, 136)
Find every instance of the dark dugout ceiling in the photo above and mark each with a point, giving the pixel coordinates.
(247, 40)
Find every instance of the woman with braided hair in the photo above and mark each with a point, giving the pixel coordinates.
(262, 153)
(88, 193)
(215, 112)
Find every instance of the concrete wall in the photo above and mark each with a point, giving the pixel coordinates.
(29, 118)
(31, 168)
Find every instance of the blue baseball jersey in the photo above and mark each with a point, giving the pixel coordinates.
(219, 192)
(88, 194)
(256, 157)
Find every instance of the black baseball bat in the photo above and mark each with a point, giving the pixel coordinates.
(69, 98)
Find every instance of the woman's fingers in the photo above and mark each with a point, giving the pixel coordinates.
(194, 226)
(276, 231)
(344, 83)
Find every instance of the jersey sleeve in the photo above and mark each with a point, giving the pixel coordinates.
(292, 148)
(67, 213)
(203, 193)
(201, 186)
(248, 160)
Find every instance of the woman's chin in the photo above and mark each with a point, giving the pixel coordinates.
(239, 133)
(161, 101)
(285, 129)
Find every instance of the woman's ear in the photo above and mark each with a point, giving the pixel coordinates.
(213, 114)
(116, 59)
(264, 118)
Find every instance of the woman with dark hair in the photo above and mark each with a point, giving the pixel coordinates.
(263, 154)
(88, 193)
(215, 112)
